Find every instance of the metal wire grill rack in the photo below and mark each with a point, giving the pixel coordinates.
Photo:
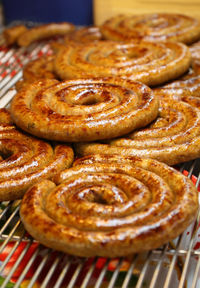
(175, 265)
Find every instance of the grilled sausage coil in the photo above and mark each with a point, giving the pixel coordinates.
(174, 137)
(152, 27)
(150, 63)
(110, 206)
(26, 160)
(85, 109)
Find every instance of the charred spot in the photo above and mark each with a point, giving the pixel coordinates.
(49, 112)
(42, 148)
(47, 225)
(106, 95)
(154, 164)
(104, 242)
(145, 95)
(31, 125)
(46, 110)
(134, 158)
(143, 50)
(39, 96)
(62, 94)
(127, 92)
(29, 209)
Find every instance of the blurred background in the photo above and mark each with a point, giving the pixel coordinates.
(78, 12)
(87, 12)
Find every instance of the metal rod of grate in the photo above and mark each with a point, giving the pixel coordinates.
(175, 265)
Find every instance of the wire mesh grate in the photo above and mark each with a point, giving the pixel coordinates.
(175, 265)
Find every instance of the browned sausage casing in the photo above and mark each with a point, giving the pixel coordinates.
(83, 109)
(148, 62)
(44, 31)
(156, 27)
(173, 137)
(26, 160)
(110, 206)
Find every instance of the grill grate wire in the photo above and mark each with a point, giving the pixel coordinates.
(175, 265)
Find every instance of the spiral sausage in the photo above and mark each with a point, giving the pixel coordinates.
(150, 63)
(152, 27)
(26, 160)
(110, 206)
(174, 137)
(83, 110)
